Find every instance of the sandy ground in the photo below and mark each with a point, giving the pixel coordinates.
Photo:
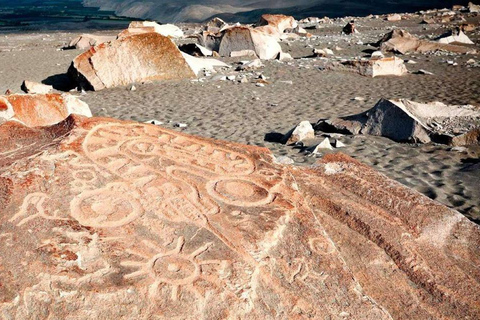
(245, 113)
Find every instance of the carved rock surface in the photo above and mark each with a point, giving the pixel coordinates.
(106, 219)
(136, 58)
(35, 110)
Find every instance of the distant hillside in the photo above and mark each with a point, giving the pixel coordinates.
(248, 11)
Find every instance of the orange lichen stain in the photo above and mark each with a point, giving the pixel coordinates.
(3, 106)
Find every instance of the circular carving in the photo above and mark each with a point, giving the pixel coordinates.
(175, 269)
(321, 246)
(106, 208)
(239, 192)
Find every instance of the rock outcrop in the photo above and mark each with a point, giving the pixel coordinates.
(408, 121)
(137, 58)
(119, 220)
(34, 110)
(246, 38)
(403, 42)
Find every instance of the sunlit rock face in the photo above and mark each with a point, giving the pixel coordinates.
(106, 219)
(136, 58)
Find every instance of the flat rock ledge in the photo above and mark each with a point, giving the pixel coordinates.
(107, 219)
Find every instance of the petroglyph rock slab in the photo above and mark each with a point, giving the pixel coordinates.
(136, 58)
(108, 219)
(34, 110)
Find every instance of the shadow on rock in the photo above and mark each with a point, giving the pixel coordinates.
(61, 82)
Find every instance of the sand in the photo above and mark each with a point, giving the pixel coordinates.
(245, 113)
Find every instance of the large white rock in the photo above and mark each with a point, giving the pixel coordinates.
(166, 30)
(455, 36)
(303, 131)
(245, 38)
(35, 87)
(200, 64)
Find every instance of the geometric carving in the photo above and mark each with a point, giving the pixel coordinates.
(109, 207)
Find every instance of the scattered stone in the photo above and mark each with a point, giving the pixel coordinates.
(284, 160)
(350, 28)
(137, 58)
(303, 131)
(325, 144)
(394, 17)
(155, 122)
(35, 87)
(339, 144)
(180, 125)
(377, 55)
(421, 71)
(86, 41)
(283, 56)
(251, 65)
(132, 88)
(34, 110)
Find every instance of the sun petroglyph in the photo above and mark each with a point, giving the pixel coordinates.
(174, 268)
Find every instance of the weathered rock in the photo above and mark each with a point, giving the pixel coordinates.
(408, 121)
(325, 145)
(119, 220)
(137, 58)
(251, 65)
(35, 87)
(216, 25)
(391, 66)
(475, 8)
(86, 41)
(140, 27)
(394, 17)
(246, 38)
(403, 42)
(279, 22)
(34, 110)
(200, 64)
(350, 28)
(303, 131)
(455, 36)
